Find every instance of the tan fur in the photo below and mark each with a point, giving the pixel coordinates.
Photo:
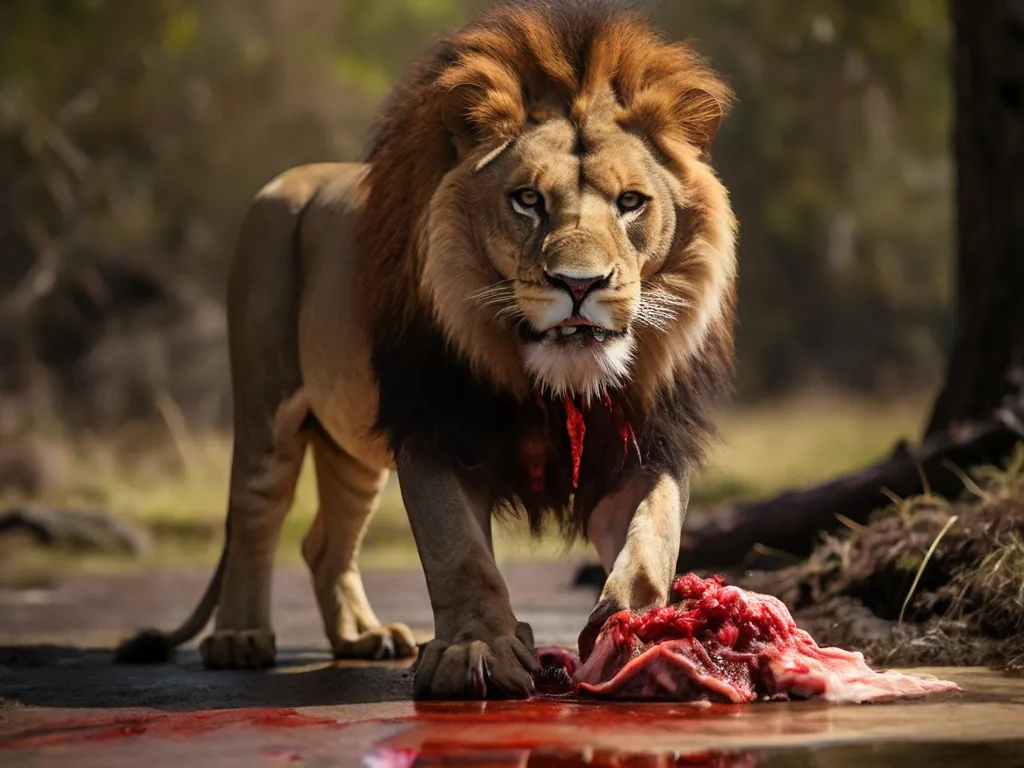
(337, 261)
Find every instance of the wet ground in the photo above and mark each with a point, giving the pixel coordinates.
(63, 703)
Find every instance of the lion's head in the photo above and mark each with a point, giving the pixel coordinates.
(541, 198)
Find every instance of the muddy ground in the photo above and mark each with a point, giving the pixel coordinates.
(64, 703)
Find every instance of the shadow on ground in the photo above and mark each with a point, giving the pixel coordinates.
(67, 677)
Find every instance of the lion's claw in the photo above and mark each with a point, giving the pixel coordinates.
(239, 649)
(499, 668)
(391, 641)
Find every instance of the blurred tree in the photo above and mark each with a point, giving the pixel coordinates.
(837, 160)
(989, 350)
(132, 136)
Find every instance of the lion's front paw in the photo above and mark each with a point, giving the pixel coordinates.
(391, 641)
(239, 649)
(627, 589)
(496, 667)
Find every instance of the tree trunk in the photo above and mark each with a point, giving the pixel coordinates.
(988, 71)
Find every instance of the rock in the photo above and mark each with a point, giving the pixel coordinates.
(77, 530)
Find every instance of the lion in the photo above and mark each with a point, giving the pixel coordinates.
(523, 302)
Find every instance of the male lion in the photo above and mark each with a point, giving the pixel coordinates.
(524, 302)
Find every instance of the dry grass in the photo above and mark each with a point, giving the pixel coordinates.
(930, 581)
(176, 483)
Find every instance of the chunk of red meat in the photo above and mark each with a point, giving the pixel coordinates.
(722, 643)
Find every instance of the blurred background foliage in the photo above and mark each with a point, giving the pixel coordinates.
(132, 136)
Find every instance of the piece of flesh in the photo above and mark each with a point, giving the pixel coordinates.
(719, 643)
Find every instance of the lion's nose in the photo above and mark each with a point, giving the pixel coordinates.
(577, 286)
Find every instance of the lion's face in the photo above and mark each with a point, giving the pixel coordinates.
(572, 231)
(559, 239)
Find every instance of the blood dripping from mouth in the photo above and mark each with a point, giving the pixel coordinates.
(533, 448)
(577, 429)
(623, 426)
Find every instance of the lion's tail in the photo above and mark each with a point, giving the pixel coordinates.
(151, 646)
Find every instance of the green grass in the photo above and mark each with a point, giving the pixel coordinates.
(799, 441)
(178, 487)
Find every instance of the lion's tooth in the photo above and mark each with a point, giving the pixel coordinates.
(598, 335)
(568, 330)
(551, 334)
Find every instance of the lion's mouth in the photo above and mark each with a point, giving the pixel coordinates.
(574, 332)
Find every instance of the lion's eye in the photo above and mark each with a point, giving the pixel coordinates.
(631, 201)
(528, 198)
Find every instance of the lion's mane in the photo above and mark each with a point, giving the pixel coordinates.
(467, 97)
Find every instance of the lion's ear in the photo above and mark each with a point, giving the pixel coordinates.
(481, 101)
(704, 112)
(661, 111)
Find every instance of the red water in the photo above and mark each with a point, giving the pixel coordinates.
(444, 757)
(168, 724)
(539, 732)
(544, 732)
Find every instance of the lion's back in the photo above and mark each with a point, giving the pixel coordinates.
(334, 349)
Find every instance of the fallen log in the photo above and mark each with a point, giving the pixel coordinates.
(76, 530)
(791, 522)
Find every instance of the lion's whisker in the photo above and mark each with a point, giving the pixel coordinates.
(659, 308)
(500, 290)
(662, 296)
(500, 295)
(510, 313)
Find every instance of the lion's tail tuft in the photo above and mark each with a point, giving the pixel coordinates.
(151, 646)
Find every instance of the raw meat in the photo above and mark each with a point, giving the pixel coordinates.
(720, 643)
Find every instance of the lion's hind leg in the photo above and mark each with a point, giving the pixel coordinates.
(264, 471)
(349, 495)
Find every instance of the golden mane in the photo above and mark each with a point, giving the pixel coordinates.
(476, 91)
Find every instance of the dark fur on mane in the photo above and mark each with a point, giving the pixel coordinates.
(430, 400)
